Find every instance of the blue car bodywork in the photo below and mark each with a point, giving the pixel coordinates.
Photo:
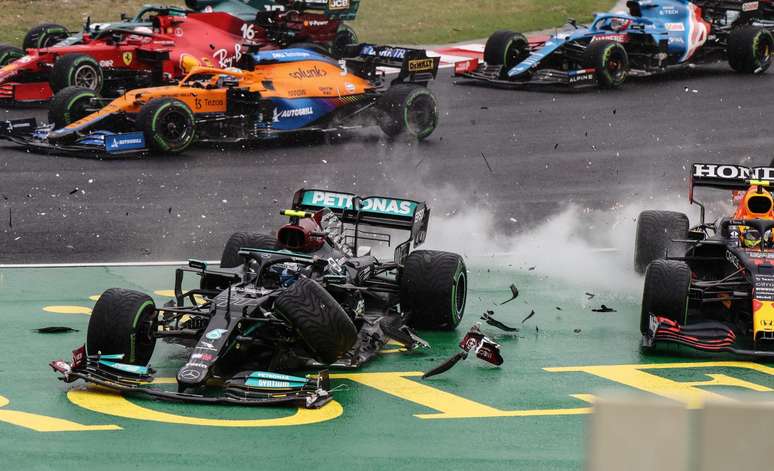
(656, 34)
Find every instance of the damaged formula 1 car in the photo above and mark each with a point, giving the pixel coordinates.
(655, 37)
(159, 46)
(311, 297)
(711, 286)
(277, 93)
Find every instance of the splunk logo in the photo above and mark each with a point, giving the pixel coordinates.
(292, 113)
(314, 72)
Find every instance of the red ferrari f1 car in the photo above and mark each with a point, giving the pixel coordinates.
(128, 55)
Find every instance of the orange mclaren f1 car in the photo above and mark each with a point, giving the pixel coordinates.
(273, 93)
(711, 287)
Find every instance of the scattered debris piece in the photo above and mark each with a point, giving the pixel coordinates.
(604, 308)
(514, 292)
(475, 341)
(487, 163)
(54, 330)
(558, 308)
(487, 317)
(531, 268)
(590, 295)
(528, 317)
(577, 331)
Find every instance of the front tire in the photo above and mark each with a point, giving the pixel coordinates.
(69, 105)
(168, 125)
(433, 289)
(506, 48)
(610, 60)
(9, 54)
(665, 294)
(408, 109)
(319, 319)
(44, 35)
(244, 240)
(655, 232)
(749, 50)
(76, 70)
(123, 322)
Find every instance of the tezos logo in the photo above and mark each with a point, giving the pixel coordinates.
(215, 334)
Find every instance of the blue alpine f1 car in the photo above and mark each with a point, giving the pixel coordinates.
(654, 37)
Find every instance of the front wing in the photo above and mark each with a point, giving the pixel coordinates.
(493, 75)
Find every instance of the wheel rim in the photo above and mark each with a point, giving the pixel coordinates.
(615, 66)
(174, 128)
(461, 294)
(763, 53)
(420, 115)
(87, 77)
(78, 109)
(514, 53)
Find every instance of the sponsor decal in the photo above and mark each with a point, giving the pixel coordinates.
(224, 59)
(350, 87)
(215, 334)
(420, 65)
(674, 27)
(372, 205)
(297, 93)
(317, 23)
(387, 52)
(122, 142)
(202, 356)
(128, 57)
(190, 374)
(179, 32)
(621, 38)
(292, 113)
(199, 103)
(289, 54)
(733, 259)
(327, 90)
(749, 6)
(314, 72)
(338, 5)
(106, 63)
(733, 172)
(668, 11)
(583, 75)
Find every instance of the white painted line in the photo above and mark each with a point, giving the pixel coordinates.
(101, 264)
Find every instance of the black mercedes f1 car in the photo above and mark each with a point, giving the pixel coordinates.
(312, 297)
(711, 286)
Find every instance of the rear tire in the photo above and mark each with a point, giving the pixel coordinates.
(44, 35)
(123, 322)
(506, 48)
(665, 294)
(408, 109)
(433, 290)
(168, 125)
(240, 240)
(76, 70)
(655, 232)
(69, 105)
(319, 319)
(610, 60)
(9, 54)
(749, 50)
(345, 36)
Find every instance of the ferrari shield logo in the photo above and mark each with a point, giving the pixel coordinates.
(128, 58)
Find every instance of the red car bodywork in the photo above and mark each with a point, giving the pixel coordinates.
(158, 54)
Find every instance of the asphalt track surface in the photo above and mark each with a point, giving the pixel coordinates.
(546, 149)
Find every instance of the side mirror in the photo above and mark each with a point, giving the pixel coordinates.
(572, 22)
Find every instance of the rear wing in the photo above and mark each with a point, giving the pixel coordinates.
(376, 211)
(414, 64)
(729, 177)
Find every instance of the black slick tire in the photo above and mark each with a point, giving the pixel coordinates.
(610, 60)
(169, 125)
(244, 240)
(656, 231)
(122, 322)
(69, 105)
(665, 294)
(433, 289)
(76, 70)
(408, 109)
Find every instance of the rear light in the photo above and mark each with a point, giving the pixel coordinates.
(464, 67)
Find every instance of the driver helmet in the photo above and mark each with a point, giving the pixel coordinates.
(751, 238)
(619, 24)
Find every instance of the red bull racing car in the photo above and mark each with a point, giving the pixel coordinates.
(711, 286)
(309, 297)
(157, 47)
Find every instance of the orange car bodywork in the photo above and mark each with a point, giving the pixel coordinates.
(287, 81)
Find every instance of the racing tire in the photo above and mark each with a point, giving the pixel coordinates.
(319, 319)
(345, 36)
(240, 240)
(76, 70)
(506, 48)
(44, 35)
(665, 294)
(433, 290)
(408, 109)
(655, 232)
(9, 54)
(610, 60)
(168, 125)
(69, 105)
(749, 50)
(123, 322)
